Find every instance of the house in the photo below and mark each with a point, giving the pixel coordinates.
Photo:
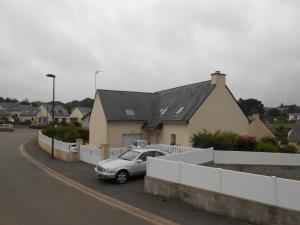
(294, 116)
(170, 116)
(85, 121)
(294, 135)
(78, 113)
(44, 116)
(14, 111)
(258, 129)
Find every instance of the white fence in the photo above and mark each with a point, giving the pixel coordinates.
(59, 145)
(269, 190)
(172, 148)
(115, 152)
(257, 158)
(90, 154)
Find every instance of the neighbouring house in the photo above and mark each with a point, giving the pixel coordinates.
(294, 116)
(85, 121)
(258, 129)
(45, 115)
(14, 111)
(294, 135)
(78, 113)
(170, 116)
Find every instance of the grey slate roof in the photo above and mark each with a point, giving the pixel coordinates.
(28, 110)
(10, 106)
(295, 133)
(147, 106)
(60, 110)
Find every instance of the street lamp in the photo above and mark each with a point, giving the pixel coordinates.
(52, 146)
(96, 72)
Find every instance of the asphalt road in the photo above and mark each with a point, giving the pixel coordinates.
(28, 196)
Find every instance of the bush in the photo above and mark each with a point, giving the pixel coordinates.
(245, 143)
(71, 135)
(289, 149)
(224, 140)
(203, 140)
(67, 133)
(269, 140)
(266, 147)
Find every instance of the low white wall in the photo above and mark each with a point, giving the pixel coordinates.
(256, 158)
(198, 156)
(264, 189)
(58, 145)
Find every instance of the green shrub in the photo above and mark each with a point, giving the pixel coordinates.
(224, 140)
(289, 149)
(203, 140)
(245, 143)
(72, 135)
(266, 147)
(269, 140)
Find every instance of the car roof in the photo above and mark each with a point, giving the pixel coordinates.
(146, 150)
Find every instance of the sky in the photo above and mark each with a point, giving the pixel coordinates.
(142, 45)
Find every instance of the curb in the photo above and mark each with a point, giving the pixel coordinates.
(115, 203)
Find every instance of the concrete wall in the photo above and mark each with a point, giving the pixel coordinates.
(117, 129)
(98, 124)
(62, 155)
(259, 130)
(219, 112)
(236, 208)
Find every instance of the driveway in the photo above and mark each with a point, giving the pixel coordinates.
(131, 193)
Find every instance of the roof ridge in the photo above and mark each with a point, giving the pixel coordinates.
(143, 92)
(186, 85)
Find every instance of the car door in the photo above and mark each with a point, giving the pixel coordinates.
(141, 163)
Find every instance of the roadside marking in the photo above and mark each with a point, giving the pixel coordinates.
(115, 203)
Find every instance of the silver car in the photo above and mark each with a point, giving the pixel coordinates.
(129, 163)
(7, 127)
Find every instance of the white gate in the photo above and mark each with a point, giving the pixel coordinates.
(90, 154)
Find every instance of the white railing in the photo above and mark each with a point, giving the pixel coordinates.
(59, 145)
(172, 148)
(115, 152)
(273, 191)
(90, 154)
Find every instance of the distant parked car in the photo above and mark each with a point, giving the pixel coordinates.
(7, 127)
(139, 143)
(129, 163)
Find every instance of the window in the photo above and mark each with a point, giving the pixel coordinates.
(145, 155)
(157, 154)
(129, 112)
(173, 139)
(163, 110)
(179, 111)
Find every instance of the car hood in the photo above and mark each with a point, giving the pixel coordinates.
(114, 163)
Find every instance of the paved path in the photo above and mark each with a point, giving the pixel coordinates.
(28, 196)
(131, 192)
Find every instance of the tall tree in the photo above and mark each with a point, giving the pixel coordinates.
(251, 106)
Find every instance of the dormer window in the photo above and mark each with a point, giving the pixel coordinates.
(163, 110)
(179, 111)
(129, 112)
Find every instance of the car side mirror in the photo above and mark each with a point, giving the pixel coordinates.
(139, 160)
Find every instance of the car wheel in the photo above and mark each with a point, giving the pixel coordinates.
(121, 177)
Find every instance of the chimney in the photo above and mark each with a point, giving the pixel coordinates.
(218, 78)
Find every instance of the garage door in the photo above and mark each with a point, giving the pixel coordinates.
(127, 139)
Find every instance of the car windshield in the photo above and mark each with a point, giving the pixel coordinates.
(130, 155)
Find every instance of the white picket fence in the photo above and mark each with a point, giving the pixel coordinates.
(59, 145)
(172, 148)
(115, 152)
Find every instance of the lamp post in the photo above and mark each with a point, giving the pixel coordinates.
(96, 72)
(53, 95)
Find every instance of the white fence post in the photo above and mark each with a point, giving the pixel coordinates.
(275, 191)
(220, 177)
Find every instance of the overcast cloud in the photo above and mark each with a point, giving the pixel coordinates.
(148, 46)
